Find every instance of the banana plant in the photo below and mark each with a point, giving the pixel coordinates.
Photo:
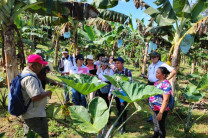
(179, 13)
(9, 11)
(194, 93)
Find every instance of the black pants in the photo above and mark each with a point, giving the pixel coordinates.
(38, 125)
(104, 96)
(159, 126)
(120, 107)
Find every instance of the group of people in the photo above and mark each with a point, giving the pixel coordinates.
(35, 117)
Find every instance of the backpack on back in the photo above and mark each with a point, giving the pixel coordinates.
(16, 105)
(171, 102)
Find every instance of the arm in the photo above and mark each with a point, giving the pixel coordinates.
(53, 82)
(42, 95)
(172, 73)
(164, 106)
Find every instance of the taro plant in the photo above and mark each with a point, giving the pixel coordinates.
(95, 118)
(93, 122)
(194, 92)
(82, 83)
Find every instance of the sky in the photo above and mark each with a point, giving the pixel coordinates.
(128, 8)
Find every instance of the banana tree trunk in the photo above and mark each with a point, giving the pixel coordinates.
(174, 65)
(56, 50)
(77, 50)
(53, 41)
(193, 65)
(145, 60)
(3, 54)
(10, 54)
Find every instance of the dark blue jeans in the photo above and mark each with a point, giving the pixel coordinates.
(78, 99)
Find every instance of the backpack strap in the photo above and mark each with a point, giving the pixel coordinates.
(126, 72)
(71, 58)
(32, 76)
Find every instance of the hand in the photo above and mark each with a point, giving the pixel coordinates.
(109, 97)
(49, 93)
(159, 116)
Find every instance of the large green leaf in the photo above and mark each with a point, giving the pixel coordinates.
(192, 94)
(181, 7)
(104, 4)
(115, 78)
(84, 84)
(198, 7)
(90, 32)
(99, 113)
(136, 91)
(203, 83)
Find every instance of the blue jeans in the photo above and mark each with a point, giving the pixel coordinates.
(78, 99)
(66, 91)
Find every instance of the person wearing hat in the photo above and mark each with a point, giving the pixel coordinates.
(77, 98)
(90, 65)
(155, 57)
(92, 70)
(112, 63)
(121, 104)
(65, 64)
(104, 70)
(35, 117)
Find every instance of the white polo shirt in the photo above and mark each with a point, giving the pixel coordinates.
(101, 72)
(152, 69)
(68, 64)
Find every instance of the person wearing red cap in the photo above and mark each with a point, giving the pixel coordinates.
(35, 117)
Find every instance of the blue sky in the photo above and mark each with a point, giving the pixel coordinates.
(129, 8)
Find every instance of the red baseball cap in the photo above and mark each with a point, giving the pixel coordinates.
(36, 58)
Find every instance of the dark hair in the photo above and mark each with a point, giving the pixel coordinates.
(99, 55)
(79, 56)
(164, 70)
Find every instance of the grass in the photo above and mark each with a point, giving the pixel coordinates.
(136, 126)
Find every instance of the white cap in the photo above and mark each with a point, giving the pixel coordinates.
(90, 57)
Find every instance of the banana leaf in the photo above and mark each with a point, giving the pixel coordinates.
(136, 91)
(115, 78)
(98, 111)
(104, 4)
(82, 83)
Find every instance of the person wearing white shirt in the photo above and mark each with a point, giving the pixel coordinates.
(65, 64)
(104, 70)
(155, 57)
(156, 63)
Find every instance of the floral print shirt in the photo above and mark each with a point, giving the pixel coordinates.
(155, 102)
